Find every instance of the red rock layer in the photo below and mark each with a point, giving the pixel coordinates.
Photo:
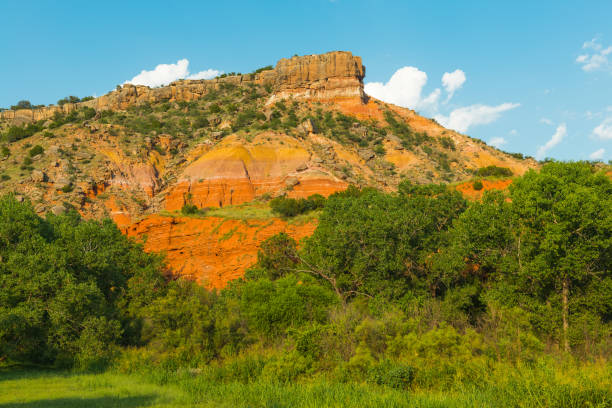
(211, 250)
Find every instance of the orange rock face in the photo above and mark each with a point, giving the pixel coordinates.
(235, 172)
(319, 77)
(211, 250)
(467, 188)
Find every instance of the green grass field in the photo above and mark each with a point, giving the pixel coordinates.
(52, 389)
(61, 389)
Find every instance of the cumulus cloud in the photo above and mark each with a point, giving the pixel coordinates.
(498, 142)
(206, 74)
(604, 130)
(461, 119)
(163, 74)
(597, 154)
(596, 57)
(405, 88)
(452, 81)
(554, 140)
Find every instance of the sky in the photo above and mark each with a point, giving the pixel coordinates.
(526, 76)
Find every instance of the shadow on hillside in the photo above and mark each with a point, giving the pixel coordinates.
(102, 402)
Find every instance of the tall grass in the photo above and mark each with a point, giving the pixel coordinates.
(525, 387)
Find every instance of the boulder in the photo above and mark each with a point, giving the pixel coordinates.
(38, 176)
(307, 127)
(366, 154)
(291, 182)
(58, 209)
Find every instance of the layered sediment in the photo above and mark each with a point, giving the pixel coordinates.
(328, 76)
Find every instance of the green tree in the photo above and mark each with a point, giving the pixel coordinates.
(565, 239)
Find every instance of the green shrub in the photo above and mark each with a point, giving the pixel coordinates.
(392, 375)
(36, 150)
(494, 171)
(67, 188)
(22, 105)
(266, 68)
(190, 209)
(290, 207)
(477, 185)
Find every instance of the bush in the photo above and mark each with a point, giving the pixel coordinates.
(22, 105)
(189, 209)
(266, 68)
(477, 185)
(36, 150)
(68, 99)
(494, 171)
(398, 376)
(290, 207)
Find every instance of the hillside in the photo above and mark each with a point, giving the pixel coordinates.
(139, 155)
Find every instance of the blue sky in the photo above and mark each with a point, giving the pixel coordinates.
(532, 77)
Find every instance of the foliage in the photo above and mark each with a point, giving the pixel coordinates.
(22, 105)
(36, 150)
(494, 171)
(66, 286)
(189, 209)
(411, 297)
(290, 207)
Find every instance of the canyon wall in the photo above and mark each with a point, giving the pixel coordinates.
(329, 76)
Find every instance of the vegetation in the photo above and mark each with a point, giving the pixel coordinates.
(290, 207)
(73, 99)
(494, 171)
(36, 150)
(416, 297)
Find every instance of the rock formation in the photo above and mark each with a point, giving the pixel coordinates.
(328, 76)
(116, 165)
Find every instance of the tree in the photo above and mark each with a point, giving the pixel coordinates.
(22, 105)
(64, 281)
(565, 238)
(376, 244)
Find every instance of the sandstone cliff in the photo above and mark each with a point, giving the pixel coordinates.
(227, 146)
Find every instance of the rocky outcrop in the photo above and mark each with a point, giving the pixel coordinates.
(328, 76)
(211, 250)
(319, 77)
(235, 172)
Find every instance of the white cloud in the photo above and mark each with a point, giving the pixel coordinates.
(513, 132)
(452, 81)
(604, 130)
(554, 140)
(596, 56)
(404, 89)
(206, 74)
(461, 119)
(597, 154)
(498, 142)
(163, 74)
(546, 121)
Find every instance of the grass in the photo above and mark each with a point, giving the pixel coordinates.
(55, 389)
(246, 212)
(60, 389)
